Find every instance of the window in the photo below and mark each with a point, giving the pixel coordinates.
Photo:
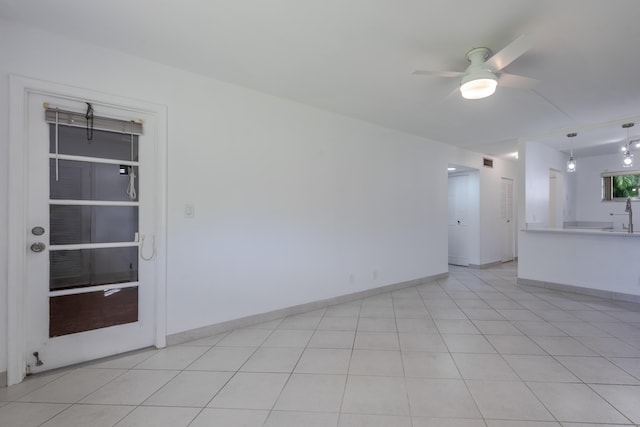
(620, 185)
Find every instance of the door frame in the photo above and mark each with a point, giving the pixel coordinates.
(511, 228)
(19, 88)
(473, 210)
(466, 237)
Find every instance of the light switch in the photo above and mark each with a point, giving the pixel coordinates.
(189, 210)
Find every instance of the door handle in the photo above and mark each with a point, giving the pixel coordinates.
(38, 247)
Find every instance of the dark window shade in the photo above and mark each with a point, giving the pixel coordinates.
(80, 268)
(106, 145)
(70, 314)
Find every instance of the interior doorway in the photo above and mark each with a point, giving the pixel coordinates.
(458, 227)
(463, 215)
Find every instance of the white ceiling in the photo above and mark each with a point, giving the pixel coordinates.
(356, 57)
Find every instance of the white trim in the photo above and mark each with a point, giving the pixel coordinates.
(19, 87)
(161, 207)
(621, 173)
(88, 289)
(17, 242)
(78, 246)
(92, 159)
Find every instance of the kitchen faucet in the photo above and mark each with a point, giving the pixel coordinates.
(629, 211)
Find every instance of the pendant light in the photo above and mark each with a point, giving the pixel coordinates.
(571, 163)
(627, 160)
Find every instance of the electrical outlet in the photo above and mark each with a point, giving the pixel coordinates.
(375, 274)
(189, 210)
(352, 279)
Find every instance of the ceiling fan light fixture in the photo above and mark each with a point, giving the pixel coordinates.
(478, 85)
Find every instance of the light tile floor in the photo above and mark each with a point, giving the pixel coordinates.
(471, 350)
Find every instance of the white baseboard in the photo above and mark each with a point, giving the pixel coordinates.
(487, 265)
(206, 331)
(617, 296)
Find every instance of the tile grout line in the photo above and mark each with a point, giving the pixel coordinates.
(458, 369)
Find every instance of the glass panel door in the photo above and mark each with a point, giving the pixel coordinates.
(93, 222)
(89, 291)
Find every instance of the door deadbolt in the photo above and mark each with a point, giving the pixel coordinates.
(38, 247)
(37, 231)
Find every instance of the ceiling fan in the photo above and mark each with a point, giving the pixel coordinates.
(484, 72)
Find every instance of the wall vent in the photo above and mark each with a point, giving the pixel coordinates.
(487, 163)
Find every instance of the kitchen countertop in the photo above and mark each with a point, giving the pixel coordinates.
(583, 231)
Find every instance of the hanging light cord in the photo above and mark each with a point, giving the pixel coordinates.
(131, 188)
(571, 135)
(57, 152)
(89, 117)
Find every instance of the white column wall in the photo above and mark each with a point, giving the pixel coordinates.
(538, 160)
(290, 201)
(599, 262)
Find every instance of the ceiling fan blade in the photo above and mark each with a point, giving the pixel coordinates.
(455, 93)
(510, 53)
(438, 73)
(520, 82)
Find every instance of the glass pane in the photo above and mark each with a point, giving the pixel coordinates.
(92, 267)
(92, 224)
(625, 186)
(105, 145)
(90, 181)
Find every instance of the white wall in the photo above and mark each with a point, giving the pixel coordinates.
(486, 236)
(589, 204)
(290, 201)
(473, 211)
(600, 262)
(538, 159)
